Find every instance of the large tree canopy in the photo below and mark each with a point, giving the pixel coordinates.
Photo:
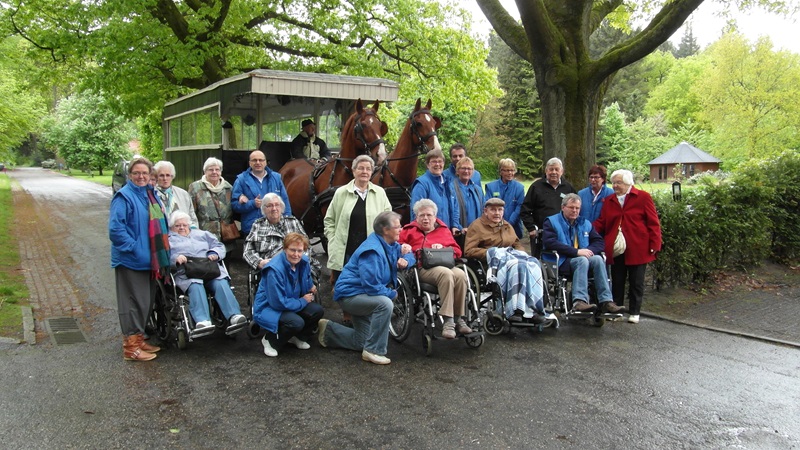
(554, 36)
(145, 51)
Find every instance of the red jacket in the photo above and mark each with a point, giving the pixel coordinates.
(413, 236)
(640, 225)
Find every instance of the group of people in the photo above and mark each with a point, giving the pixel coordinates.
(367, 245)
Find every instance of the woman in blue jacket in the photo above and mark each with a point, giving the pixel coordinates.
(511, 191)
(366, 288)
(139, 249)
(284, 304)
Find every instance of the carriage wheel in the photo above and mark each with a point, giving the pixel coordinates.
(400, 325)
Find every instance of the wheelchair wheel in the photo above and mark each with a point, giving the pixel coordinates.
(474, 284)
(161, 318)
(183, 339)
(400, 325)
(472, 313)
(494, 324)
(254, 330)
(597, 321)
(427, 343)
(475, 342)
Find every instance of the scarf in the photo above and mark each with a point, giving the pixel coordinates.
(166, 199)
(311, 149)
(158, 234)
(215, 189)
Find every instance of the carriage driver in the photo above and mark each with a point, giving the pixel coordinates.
(308, 145)
(579, 247)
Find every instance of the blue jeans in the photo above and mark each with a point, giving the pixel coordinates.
(301, 324)
(371, 318)
(580, 267)
(198, 300)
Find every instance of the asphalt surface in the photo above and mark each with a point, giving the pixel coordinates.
(657, 384)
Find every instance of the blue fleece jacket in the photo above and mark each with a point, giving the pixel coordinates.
(281, 289)
(372, 270)
(128, 225)
(513, 193)
(433, 188)
(246, 183)
(590, 208)
(559, 235)
(472, 207)
(450, 174)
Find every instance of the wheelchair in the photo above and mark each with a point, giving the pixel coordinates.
(419, 302)
(491, 302)
(558, 288)
(172, 321)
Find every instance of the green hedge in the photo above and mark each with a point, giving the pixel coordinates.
(732, 223)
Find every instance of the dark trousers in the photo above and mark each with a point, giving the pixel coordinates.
(635, 277)
(301, 324)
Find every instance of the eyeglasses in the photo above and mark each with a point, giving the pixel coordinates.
(595, 177)
(272, 205)
(258, 160)
(140, 174)
(467, 169)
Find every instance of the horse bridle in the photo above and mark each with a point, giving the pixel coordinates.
(422, 146)
(358, 129)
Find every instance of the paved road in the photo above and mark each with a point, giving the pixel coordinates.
(655, 385)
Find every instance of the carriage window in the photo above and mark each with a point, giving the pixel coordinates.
(196, 128)
(329, 129)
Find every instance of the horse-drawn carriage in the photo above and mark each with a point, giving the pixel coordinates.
(263, 109)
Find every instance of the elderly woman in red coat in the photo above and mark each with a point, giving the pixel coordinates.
(429, 232)
(633, 212)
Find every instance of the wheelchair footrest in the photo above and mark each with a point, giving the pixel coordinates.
(580, 314)
(474, 334)
(201, 332)
(610, 316)
(233, 329)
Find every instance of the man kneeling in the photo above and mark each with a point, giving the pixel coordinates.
(579, 246)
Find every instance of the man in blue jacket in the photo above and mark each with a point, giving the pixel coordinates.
(579, 247)
(458, 152)
(250, 188)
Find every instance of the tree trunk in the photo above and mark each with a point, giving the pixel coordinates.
(569, 121)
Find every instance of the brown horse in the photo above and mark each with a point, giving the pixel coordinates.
(398, 173)
(311, 189)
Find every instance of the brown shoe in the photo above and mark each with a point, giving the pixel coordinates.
(147, 347)
(132, 351)
(582, 306)
(612, 308)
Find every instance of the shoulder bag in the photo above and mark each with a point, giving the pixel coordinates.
(228, 232)
(436, 257)
(619, 242)
(201, 268)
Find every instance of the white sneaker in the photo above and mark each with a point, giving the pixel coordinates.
(268, 350)
(375, 359)
(633, 318)
(298, 343)
(236, 319)
(203, 324)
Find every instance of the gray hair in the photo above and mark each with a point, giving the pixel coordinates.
(435, 153)
(425, 203)
(363, 158)
(179, 215)
(270, 197)
(627, 176)
(212, 162)
(383, 221)
(554, 162)
(570, 198)
(164, 165)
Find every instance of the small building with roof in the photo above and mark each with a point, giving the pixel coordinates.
(692, 159)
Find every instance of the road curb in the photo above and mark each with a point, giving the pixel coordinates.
(723, 330)
(28, 326)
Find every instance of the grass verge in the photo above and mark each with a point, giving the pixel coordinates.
(92, 176)
(13, 290)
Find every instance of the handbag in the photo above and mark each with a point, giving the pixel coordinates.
(201, 268)
(228, 231)
(619, 243)
(437, 257)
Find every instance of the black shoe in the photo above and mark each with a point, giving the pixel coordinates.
(582, 306)
(517, 316)
(612, 308)
(537, 319)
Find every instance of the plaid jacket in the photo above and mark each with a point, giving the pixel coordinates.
(266, 240)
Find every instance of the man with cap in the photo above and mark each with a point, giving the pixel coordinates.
(307, 145)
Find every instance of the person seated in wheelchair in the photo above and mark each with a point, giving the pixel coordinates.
(519, 275)
(185, 242)
(284, 304)
(579, 247)
(267, 233)
(429, 232)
